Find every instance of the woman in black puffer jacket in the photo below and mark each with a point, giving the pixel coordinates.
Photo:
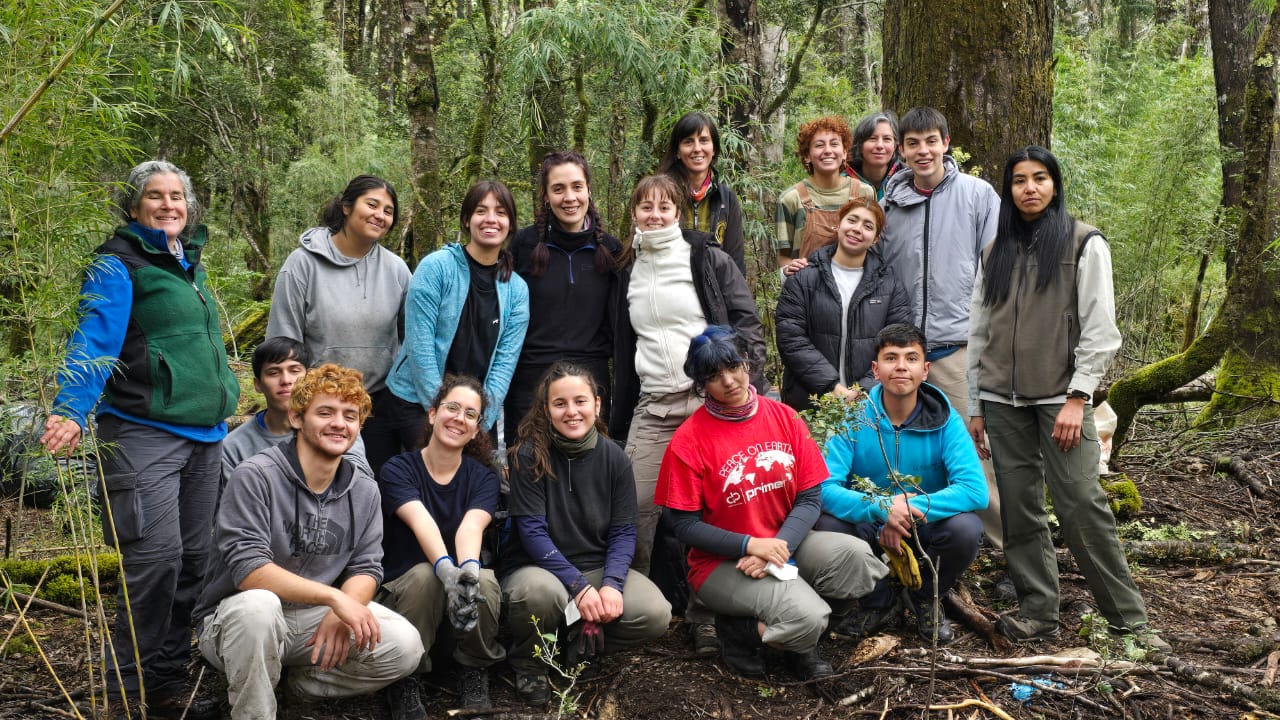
(829, 312)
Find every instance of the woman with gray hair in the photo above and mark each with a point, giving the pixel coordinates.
(148, 354)
(873, 155)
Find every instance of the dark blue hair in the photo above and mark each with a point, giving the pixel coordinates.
(714, 349)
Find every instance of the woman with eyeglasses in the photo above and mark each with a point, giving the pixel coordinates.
(436, 504)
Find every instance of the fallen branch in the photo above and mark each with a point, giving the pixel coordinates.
(1266, 699)
(960, 605)
(1071, 658)
(1238, 469)
(1174, 552)
(49, 605)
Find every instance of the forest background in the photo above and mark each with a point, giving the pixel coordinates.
(272, 106)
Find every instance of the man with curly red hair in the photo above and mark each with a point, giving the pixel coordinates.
(806, 212)
(299, 557)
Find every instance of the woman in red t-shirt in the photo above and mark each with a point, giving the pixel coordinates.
(742, 478)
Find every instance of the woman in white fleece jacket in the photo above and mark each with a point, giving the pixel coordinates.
(679, 283)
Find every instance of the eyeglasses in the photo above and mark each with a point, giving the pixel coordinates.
(471, 414)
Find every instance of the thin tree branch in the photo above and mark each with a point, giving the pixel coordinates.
(793, 73)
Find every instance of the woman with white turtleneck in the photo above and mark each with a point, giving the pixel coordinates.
(678, 283)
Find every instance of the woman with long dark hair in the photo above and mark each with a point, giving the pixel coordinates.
(709, 204)
(743, 478)
(436, 504)
(1040, 337)
(466, 312)
(341, 294)
(573, 508)
(571, 267)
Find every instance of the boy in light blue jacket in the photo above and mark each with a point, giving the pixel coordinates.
(907, 426)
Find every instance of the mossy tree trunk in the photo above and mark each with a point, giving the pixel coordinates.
(423, 23)
(986, 65)
(474, 167)
(1233, 29)
(1245, 335)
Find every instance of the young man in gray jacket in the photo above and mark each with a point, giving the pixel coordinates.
(937, 220)
(299, 557)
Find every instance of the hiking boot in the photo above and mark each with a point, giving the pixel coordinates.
(740, 646)
(473, 688)
(705, 642)
(168, 706)
(404, 699)
(809, 665)
(864, 622)
(533, 689)
(927, 620)
(1020, 629)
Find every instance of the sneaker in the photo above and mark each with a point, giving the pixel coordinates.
(473, 688)
(705, 641)
(404, 699)
(1020, 629)
(809, 665)
(927, 621)
(864, 622)
(740, 646)
(533, 689)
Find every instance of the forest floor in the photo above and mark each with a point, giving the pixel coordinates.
(1219, 612)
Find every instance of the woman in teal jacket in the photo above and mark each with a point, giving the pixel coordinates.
(466, 312)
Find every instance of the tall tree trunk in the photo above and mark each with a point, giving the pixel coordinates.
(1245, 334)
(986, 65)
(1234, 26)
(742, 44)
(615, 206)
(422, 101)
(249, 205)
(484, 114)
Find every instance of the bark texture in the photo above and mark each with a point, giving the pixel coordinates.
(422, 23)
(986, 65)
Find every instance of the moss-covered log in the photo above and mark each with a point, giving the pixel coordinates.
(248, 333)
(1245, 334)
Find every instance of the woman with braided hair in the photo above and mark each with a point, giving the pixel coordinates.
(571, 267)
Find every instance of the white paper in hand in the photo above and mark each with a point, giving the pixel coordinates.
(783, 572)
(571, 614)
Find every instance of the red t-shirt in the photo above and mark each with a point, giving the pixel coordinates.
(743, 476)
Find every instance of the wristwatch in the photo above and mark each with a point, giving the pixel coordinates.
(1079, 394)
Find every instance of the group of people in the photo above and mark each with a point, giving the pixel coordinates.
(347, 531)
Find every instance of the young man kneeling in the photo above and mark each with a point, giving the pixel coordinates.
(299, 557)
(911, 423)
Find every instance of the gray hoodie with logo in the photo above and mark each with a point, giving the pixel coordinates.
(346, 310)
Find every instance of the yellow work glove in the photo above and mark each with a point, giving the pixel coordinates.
(903, 566)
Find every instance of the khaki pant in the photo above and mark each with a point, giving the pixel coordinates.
(420, 597)
(533, 594)
(252, 635)
(655, 420)
(832, 566)
(948, 375)
(1026, 457)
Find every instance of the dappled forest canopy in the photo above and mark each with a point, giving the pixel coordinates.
(273, 105)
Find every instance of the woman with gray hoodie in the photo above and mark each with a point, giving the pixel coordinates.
(341, 294)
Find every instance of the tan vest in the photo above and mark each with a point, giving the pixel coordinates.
(1032, 334)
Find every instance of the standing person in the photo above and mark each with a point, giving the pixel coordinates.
(806, 212)
(341, 294)
(278, 364)
(906, 427)
(710, 206)
(678, 283)
(743, 479)
(1042, 334)
(436, 504)
(830, 312)
(150, 346)
(571, 267)
(466, 313)
(873, 156)
(573, 508)
(299, 536)
(937, 220)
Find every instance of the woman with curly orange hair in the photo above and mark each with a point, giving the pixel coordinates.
(806, 212)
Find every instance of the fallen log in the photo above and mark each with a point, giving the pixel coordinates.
(1238, 469)
(48, 605)
(960, 606)
(1265, 699)
(1174, 552)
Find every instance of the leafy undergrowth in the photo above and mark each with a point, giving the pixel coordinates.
(1218, 615)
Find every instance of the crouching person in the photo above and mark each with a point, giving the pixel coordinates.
(912, 424)
(299, 557)
(573, 506)
(437, 503)
(743, 478)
